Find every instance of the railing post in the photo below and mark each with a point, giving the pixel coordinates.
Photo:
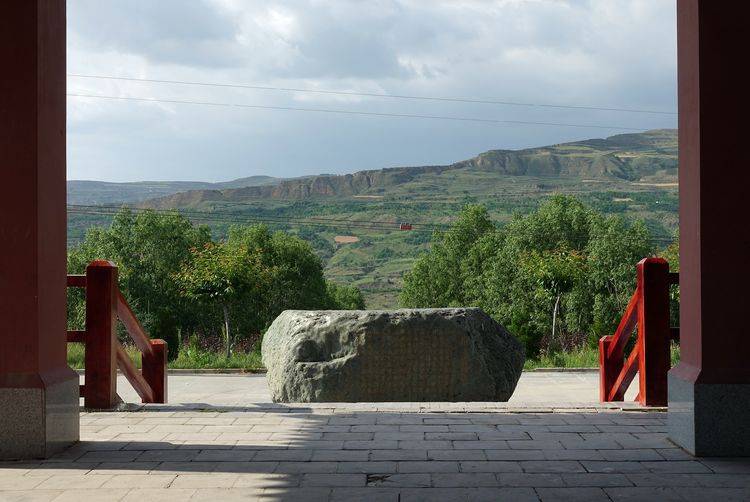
(100, 389)
(609, 368)
(653, 331)
(154, 370)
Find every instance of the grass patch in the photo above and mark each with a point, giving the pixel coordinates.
(194, 358)
(584, 357)
(188, 358)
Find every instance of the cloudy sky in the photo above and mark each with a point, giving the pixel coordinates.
(597, 53)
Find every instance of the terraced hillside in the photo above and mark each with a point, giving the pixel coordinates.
(353, 220)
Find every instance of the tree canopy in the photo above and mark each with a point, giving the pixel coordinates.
(177, 278)
(556, 277)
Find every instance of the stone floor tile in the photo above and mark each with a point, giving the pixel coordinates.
(198, 481)
(367, 467)
(538, 466)
(101, 495)
(687, 467)
(480, 445)
(464, 479)
(451, 436)
(245, 467)
(469, 494)
(398, 455)
(29, 495)
(47, 469)
(267, 480)
(184, 468)
(400, 436)
(660, 479)
(457, 454)
(139, 481)
(340, 455)
(595, 479)
(305, 467)
(574, 454)
(572, 494)
(674, 454)
(591, 444)
(305, 494)
(283, 455)
(535, 445)
(334, 480)
(110, 456)
(16, 483)
(423, 428)
(490, 466)
(348, 436)
(424, 445)
(613, 467)
(642, 494)
(110, 468)
(368, 494)
(167, 455)
(158, 495)
(524, 479)
(233, 455)
(515, 455)
(631, 455)
(727, 465)
(79, 482)
(399, 480)
(427, 466)
(721, 480)
(381, 444)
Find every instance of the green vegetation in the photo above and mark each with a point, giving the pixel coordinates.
(187, 358)
(631, 175)
(558, 278)
(179, 281)
(583, 357)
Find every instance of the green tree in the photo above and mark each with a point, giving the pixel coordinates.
(554, 277)
(437, 279)
(149, 249)
(345, 297)
(224, 277)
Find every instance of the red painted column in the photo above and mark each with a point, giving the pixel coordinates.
(38, 392)
(709, 391)
(101, 336)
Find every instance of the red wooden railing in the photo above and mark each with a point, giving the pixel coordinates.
(648, 310)
(105, 304)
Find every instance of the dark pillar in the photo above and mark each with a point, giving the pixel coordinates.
(709, 391)
(38, 392)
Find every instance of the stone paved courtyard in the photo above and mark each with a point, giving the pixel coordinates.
(222, 440)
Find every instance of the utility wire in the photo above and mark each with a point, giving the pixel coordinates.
(230, 218)
(353, 112)
(311, 219)
(375, 95)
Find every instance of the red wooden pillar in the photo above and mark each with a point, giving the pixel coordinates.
(709, 390)
(101, 336)
(154, 369)
(653, 331)
(38, 392)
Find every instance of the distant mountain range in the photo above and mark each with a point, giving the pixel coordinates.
(102, 192)
(650, 155)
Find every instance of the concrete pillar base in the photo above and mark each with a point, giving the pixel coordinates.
(709, 420)
(30, 431)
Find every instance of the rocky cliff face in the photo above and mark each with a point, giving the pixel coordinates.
(625, 156)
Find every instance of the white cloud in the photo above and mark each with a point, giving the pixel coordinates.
(612, 53)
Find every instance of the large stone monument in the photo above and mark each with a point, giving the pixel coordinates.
(399, 355)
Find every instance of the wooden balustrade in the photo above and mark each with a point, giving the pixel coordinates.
(648, 311)
(105, 304)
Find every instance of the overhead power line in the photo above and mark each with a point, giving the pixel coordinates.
(354, 112)
(234, 218)
(376, 95)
